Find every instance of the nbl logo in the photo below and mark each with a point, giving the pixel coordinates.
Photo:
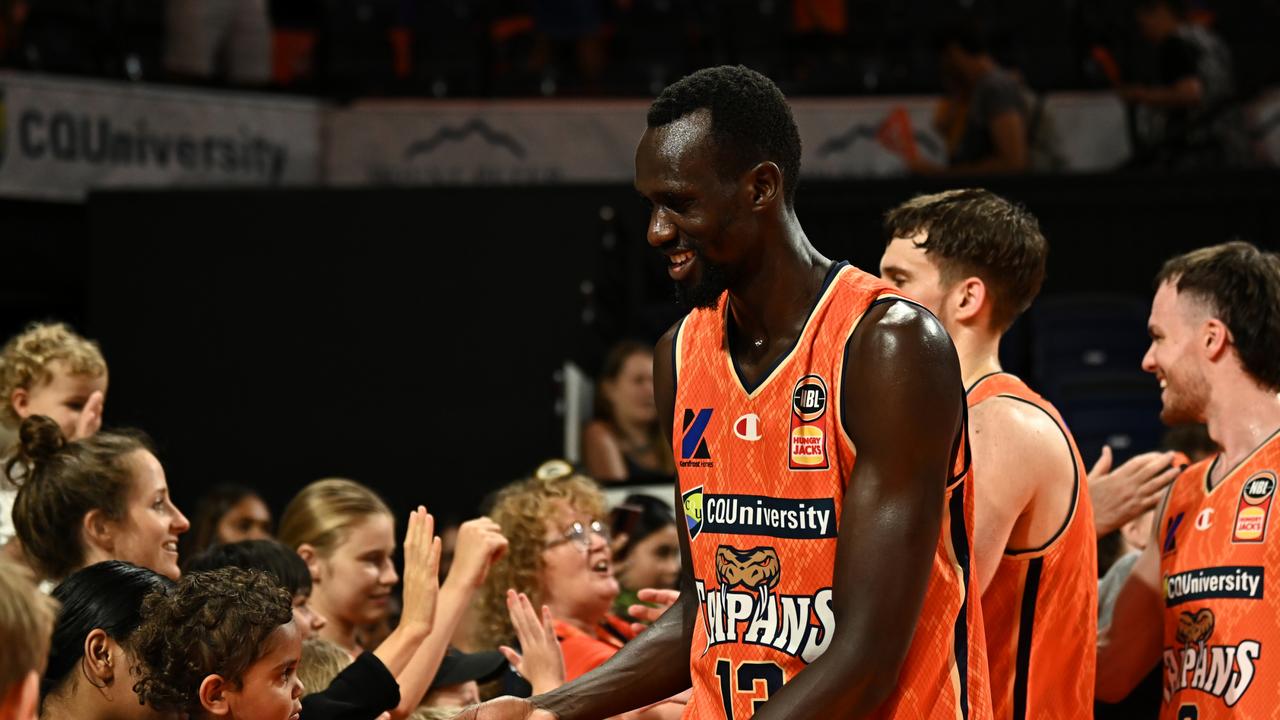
(809, 400)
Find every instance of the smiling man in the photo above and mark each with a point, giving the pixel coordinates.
(1202, 598)
(817, 582)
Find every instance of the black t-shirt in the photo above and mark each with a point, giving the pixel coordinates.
(362, 691)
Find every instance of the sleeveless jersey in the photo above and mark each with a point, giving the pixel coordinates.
(1041, 608)
(762, 472)
(1220, 566)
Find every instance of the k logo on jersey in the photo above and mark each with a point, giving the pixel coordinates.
(693, 443)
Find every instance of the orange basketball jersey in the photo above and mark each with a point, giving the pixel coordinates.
(1220, 565)
(1041, 609)
(762, 472)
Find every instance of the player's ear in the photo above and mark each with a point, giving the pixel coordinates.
(968, 299)
(765, 184)
(1216, 338)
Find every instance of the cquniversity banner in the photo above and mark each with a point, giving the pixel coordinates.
(61, 138)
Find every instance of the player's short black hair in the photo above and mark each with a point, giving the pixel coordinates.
(751, 121)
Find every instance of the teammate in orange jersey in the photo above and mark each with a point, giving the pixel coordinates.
(976, 260)
(812, 586)
(1203, 599)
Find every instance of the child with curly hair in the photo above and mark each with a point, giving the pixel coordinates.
(221, 644)
(48, 370)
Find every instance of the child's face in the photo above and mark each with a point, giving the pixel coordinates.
(354, 584)
(62, 399)
(271, 689)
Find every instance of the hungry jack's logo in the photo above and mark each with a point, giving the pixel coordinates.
(1254, 508)
(808, 445)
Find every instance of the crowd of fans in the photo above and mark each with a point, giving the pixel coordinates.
(233, 611)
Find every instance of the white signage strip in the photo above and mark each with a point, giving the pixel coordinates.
(61, 138)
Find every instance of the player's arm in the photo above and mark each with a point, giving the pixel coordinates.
(1020, 458)
(655, 665)
(1130, 646)
(904, 400)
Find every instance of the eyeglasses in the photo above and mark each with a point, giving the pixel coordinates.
(578, 533)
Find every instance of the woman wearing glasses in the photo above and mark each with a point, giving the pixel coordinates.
(559, 557)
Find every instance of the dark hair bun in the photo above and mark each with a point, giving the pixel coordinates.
(39, 439)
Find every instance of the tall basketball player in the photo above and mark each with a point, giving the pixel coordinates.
(817, 424)
(976, 261)
(1203, 599)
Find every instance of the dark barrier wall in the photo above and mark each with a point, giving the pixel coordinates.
(409, 338)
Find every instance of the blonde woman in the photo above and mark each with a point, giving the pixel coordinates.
(559, 557)
(346, 535)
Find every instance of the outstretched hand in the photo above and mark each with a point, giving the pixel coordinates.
(541, 662)
(480, 544)
(1122, 494)
(648, 614)
(90, 419)
(421, 569)
(505, 708)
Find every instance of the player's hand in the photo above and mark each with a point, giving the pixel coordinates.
(1122, 494)
(421, 569)
(647, 614)
(90, 419)
(480, 544)
(505, 708)
(542, 663)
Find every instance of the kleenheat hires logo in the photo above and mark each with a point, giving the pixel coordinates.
(693, 445)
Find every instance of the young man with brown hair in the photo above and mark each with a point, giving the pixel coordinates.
(977, 261)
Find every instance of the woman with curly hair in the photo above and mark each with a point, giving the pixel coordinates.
(559, 557)
(221, 643)
(89, 672)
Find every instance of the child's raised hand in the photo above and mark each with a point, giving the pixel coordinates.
(541, 662)
(421, 569)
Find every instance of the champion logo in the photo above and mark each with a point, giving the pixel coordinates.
(1204, 520)
(747, 427)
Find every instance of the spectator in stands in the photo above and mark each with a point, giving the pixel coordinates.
(647, 548)
(26, 618)
(997, 119)
(624, 441)
(345, 534)
(1191, 118)
(220, 643)
(99, 498)
(210, 40)
(48, 370)
(271, 557)
(226, 514)
(559, 557)
(91, 661)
